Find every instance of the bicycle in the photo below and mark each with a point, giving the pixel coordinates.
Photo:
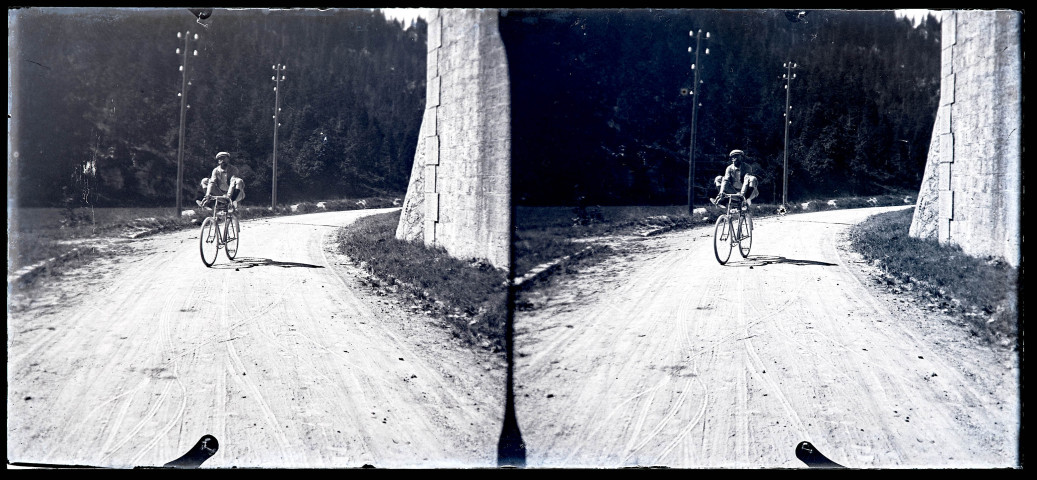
(734, 227)
(219, 230)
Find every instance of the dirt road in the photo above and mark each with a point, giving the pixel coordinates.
(665, 357)
(282, 356)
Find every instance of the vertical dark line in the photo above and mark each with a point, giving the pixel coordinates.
(511, 449)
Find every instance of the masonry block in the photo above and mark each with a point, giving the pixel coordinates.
(435, 29)
(947, 204)
(945, 176)
(430, 179)
(431, 64)
(433, 90)
(946, 148)
(944, 230)
(943, 122)
(947, 89)
(432, 207)
(432, 151)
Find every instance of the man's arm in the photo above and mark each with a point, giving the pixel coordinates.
(213, 179)
(727, 178)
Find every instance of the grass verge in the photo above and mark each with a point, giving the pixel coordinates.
(980, 291)
(471, 295)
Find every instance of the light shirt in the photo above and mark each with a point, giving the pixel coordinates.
(221, 177)
(732, 182)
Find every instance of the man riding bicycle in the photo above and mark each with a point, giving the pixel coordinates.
(224, 182)
(733, 183)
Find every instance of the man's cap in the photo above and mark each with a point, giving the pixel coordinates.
(736, 153)
(222, 154)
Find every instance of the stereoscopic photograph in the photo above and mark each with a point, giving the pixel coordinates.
(493, 238)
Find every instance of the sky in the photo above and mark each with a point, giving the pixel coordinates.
(916, 15)
(406, 15)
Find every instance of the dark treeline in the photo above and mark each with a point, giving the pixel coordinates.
(598, 111)
(100, 113)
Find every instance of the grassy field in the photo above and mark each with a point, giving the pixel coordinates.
(471, 295)
(981, 291)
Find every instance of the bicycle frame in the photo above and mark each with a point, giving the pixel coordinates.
(729, 230)
(221, 237)
(217, 235)
(736, 213)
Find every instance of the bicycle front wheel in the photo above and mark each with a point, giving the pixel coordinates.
(233, 232)
(745, 240)
(722, 239)
(209, 241)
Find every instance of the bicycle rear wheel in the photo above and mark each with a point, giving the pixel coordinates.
(722, 239)
(208, 241)
(745, 240)
(233, 232)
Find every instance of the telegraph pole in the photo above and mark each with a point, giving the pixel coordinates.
(794, 16)
(183, 109)
(695, 86)
(788, 76)
(277, 78)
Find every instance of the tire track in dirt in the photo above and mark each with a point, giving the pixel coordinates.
(249, 349)
(788, 350)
